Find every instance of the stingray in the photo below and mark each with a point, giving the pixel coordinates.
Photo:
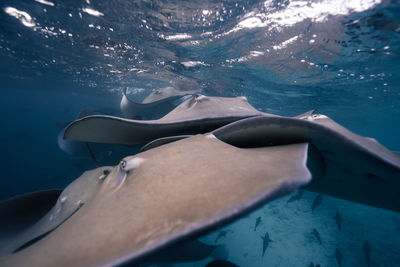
(199, 114)
(74, 148)
(67, 203)
(100, 154)
(156, 199)
(349, 166)
(154, 106)
(343, 164)
(19, 213)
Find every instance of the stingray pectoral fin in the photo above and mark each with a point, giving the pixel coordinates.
(21, 212)
(361, 188)
(149, 110)
(113, 130)
(58, 211)
(362, 161)
(198, 114)
(162, 141)
(177, 192)
(396, 153)
(72, 148)
(129, 108)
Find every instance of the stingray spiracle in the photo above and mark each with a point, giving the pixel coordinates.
(125, 166)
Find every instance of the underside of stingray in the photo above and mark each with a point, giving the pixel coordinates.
(186, 183)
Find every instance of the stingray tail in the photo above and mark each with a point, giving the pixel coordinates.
(92, 155)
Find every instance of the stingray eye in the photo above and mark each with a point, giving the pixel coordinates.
(122, 164)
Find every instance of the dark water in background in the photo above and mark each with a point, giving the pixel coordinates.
(340, 58)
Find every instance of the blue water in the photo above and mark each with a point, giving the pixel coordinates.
(340, 58)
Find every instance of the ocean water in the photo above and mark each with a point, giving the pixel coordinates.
(340, 58)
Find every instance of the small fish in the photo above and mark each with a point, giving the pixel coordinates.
(317, 201)
(367, 252)
(266, 241)
(296, 197)
(338, 220)
(258, 221)
(220, 234)
(339, 257)
(317, 236)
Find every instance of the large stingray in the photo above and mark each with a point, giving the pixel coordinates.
(352, 167)
(343, 164)
(199, 114)
(154, 106)
(154, 199)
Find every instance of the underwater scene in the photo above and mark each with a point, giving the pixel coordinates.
(203, 133)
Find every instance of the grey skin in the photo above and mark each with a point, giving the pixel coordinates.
(168, 139)
(266, 240)
(154, 106)
(367, 252)
(296, 197)
(338, 220)
(339, 257)
(145, 204)
(317, 201)
(341, 161)
(258, 221)
(198, 114)
(317, 236)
